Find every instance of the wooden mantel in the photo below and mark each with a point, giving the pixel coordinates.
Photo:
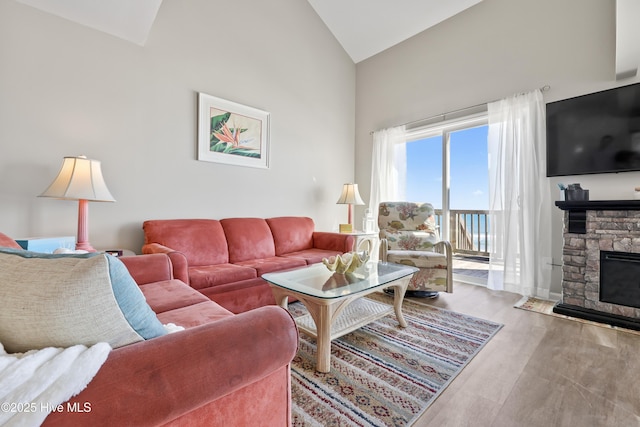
(600, 205)
(577, 218)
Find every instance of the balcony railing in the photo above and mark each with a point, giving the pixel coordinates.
(469, 231)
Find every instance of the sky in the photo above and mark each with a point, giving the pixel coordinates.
(468, 169)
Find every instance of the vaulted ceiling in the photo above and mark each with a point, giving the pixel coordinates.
(367, 27)
(363, 27)
(130, 20)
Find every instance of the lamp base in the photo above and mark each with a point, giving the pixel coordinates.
(84, 246)
(82, 243)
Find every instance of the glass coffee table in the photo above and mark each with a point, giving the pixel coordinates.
(335, 302)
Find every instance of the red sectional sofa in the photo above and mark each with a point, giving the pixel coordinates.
(223, 370)
(224, 259)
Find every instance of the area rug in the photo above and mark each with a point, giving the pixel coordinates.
(382, 374)
(538, 305)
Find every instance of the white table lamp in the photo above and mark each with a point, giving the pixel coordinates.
(350, 196)
(80, 179)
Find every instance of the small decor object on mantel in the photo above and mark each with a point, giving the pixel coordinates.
(562, 188)
(575, 193)
(636, 193)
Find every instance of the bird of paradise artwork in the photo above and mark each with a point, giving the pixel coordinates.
(230, 136)
(232, 133)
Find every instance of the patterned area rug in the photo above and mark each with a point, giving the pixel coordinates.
(382, 374)
(538, 305)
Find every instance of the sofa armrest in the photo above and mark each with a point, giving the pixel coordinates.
(178, 260)
(333, 241)
(154, 382)
(149, 268)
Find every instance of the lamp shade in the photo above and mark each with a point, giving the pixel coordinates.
(350, 195)
(79, 179)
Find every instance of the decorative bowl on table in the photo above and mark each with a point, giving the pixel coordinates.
(347, 262)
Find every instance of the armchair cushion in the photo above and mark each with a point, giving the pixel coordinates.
(423, 259)
(409, 240)
(432, 274)
(62, 300)
(407, 216)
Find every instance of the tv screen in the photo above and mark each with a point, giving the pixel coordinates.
(595, 133)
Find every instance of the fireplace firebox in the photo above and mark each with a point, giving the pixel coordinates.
(620, 278)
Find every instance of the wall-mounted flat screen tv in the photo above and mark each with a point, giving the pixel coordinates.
(594, 133)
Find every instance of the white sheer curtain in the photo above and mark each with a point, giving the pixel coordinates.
(519, 202)
(388, 167)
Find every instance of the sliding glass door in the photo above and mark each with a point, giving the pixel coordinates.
(447, 166)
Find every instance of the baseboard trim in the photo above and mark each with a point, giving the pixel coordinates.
(597, 316)
(555, 296)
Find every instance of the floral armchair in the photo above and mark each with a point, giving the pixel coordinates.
(409, 235)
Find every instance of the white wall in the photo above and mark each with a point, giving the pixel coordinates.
(493, 50)
(68, 90)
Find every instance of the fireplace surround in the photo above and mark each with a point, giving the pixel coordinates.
(593, 229)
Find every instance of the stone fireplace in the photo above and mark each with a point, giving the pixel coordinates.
(609, 229)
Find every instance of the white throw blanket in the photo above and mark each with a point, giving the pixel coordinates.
(34, 383)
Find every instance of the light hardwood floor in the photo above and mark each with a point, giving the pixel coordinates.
(539, 370)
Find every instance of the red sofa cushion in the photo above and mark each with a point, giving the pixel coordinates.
(313, 256)
(242, 296)
(174, 302)
(276, 263)
(205, 276)
(291, 234)
(170, 294)
(202, 241)
(195, 315)
(248, 239)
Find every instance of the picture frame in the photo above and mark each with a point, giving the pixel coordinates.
(232, 133)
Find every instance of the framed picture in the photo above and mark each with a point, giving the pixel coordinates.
(232, 133)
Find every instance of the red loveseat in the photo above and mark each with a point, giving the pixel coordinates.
(223, 370)
(224, 259)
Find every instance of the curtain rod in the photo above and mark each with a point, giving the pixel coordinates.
(443, 115)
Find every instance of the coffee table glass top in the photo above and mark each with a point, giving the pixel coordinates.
(316, 280)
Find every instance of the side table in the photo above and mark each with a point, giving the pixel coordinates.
(118, 252)
(363, 236)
